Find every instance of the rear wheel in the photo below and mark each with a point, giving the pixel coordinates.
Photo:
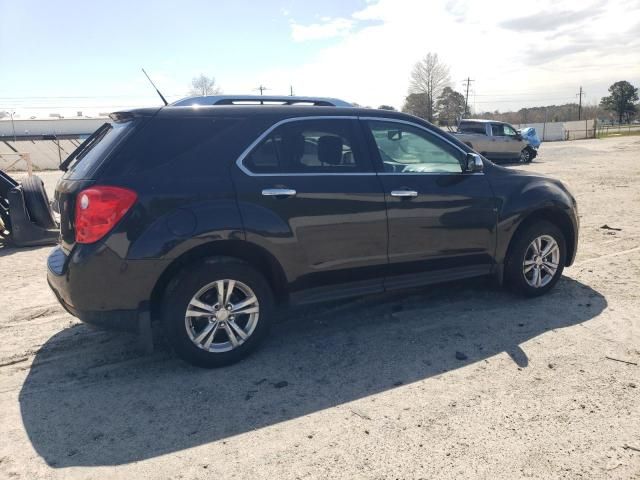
(215, 313)
(536, 259)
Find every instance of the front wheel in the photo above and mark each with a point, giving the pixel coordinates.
(217, 312)
(536, 259)
(526, 155)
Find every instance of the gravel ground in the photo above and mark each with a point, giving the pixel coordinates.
(462, 380)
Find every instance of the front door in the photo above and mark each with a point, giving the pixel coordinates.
(513, 143)
(441, 220)
(309, 195)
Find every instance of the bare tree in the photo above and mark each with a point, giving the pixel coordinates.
(429, 77)
(203, 86)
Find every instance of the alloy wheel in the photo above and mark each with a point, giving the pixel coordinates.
(541, 261)
(222, 315)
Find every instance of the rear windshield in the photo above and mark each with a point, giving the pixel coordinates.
(95, 149)
(472, 128)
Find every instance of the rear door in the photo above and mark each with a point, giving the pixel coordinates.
(441, 220)
(308, 194)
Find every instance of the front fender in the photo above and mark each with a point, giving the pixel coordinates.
(523, 198)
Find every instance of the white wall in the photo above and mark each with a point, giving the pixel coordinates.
(54, 126)
(548, 132)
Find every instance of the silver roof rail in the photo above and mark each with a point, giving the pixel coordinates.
(260, 100)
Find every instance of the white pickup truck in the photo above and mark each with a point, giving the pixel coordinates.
(495, 140)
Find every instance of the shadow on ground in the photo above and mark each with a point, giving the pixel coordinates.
(90, 399)
(9, 248)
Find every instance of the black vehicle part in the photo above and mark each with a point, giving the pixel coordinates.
(6, 184)
(37, 202)
(23, 232)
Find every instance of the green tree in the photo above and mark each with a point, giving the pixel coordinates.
(417, 104)
(450, 106)
(622, 100)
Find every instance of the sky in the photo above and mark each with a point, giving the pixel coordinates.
(68, 56)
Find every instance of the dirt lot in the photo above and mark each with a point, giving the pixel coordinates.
(369, 388)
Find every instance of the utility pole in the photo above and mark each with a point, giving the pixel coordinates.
(262, 88)
(291, 90)
(580, 104)
(467, 82)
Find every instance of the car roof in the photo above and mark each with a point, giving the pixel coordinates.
(259, 100)
(480, 120)
(273, 111)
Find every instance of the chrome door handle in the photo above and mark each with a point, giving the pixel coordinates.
(278, 192)
(404, 193)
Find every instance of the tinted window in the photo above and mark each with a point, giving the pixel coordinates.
(309, 146)
(175, 142)
(497, 130)
(472, 128)
(97, 146)
(406, 149)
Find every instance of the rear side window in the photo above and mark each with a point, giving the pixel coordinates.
(95, 149)
(472, 128)
(174, 144)
(309, 146)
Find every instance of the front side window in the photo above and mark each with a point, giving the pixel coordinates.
(308, 146)
(508, 131)
(497, 130)
(407, 149)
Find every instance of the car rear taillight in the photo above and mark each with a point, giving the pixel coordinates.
(98, 209)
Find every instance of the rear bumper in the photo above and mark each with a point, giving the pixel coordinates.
(120, 320)
(100, 288)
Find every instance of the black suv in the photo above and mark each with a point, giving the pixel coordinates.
(206, 218)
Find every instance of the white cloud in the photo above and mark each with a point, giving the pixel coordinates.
(327, 28)
(515, 59)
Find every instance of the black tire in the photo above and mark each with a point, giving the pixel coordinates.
(526, 155)
(515, 277)
(37, 202)
(190, 281)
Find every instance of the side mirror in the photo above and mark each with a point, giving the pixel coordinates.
(473, 163)
(518, 136)
(394, 135)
